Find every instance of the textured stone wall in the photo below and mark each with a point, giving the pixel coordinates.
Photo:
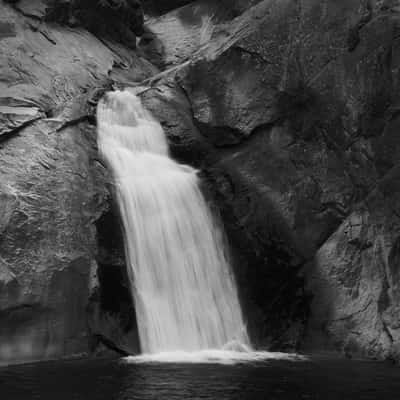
(289, 108)
(296, 104)
(53, 187)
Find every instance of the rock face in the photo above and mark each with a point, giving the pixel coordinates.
(290, 110)
(53, 186)
(120, 20)
(355, 279)
(173, 38)
(296, 104)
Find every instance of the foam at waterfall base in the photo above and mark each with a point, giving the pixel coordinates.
(226, 357)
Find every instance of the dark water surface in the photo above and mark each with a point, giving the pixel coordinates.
(115, 380)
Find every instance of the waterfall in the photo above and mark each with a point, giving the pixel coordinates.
(184, 292)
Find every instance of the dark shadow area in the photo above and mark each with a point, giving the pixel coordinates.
(158, 7)
(112, 316)
(265, 258)
(117, 20)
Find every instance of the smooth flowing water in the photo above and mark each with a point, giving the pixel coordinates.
(185, 295)
(279, 379)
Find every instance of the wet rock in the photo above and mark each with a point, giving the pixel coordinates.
(170, 106)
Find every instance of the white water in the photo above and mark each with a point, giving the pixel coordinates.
(185, 296)
(227, 357)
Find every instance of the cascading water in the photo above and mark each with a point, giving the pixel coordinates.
(184, 292)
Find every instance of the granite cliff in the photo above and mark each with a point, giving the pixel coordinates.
(290, 110)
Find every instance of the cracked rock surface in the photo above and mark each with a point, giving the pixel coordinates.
(52, 185)
(289, 109)
(295, 106)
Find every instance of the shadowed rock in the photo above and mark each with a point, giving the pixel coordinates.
(300, 104)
